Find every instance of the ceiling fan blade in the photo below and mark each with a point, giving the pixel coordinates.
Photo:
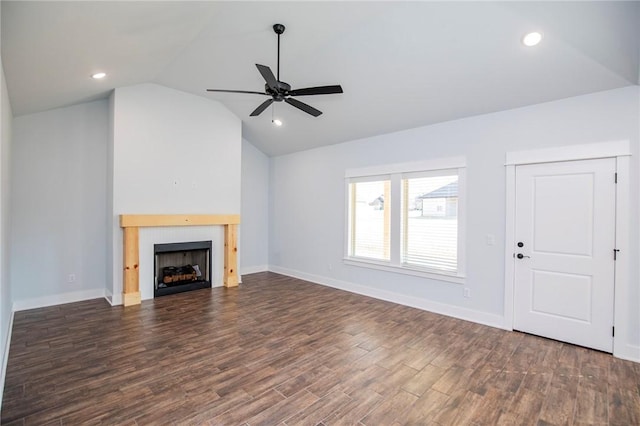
(268, 76)
(302, 106)
(321, 90)
(261, 108)
(237, 91)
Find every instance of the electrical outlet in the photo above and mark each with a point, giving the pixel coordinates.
(491, 240)
(71, 278)
(467, 292)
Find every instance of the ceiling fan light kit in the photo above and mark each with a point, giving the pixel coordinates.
(280, 91)
(531, 39)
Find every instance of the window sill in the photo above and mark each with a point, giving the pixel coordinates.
(405, 270)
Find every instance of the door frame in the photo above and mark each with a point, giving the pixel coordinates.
(621, 151)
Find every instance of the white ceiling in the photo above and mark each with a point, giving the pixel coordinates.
(401, 64)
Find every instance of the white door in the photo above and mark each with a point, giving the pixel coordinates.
(564, 251)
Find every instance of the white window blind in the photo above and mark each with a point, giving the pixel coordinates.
(430, 221)
(370, 219)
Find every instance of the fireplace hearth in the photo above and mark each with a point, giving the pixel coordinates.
(181, 267)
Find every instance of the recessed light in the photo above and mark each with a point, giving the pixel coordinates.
(99, 75)
(277, 122)
(531, 39)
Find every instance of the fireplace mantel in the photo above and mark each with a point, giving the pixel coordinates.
(132, 222)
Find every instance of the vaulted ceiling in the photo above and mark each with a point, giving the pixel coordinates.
(401, 64)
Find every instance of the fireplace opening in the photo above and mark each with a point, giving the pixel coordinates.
(181, 267)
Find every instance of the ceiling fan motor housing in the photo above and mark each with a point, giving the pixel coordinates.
(279, 95)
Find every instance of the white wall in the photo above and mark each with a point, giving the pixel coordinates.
(254, 229)
(58, 205)
(307, 217)
(5, 285)
(173, 153)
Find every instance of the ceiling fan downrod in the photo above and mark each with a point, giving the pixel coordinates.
(279, 29)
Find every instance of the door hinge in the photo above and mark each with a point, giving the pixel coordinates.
(615, 179)
(615, 254)
(613, 332)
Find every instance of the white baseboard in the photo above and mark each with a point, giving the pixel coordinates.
(254, 269)
(58, 299)
(5, 357)
(116, 299)
(629, 352)
(479, 317)
(108, 296)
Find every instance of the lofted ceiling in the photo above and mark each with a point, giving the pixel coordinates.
(401, 64)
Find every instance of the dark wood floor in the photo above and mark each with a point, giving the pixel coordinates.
(278, 350)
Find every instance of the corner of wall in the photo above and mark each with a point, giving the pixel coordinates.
(109, 285)
(6, 299)
(5, 357)
(254, 226)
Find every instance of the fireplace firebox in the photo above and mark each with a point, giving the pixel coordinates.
(181, 267)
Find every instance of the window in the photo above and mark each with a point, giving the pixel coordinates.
(407, 218)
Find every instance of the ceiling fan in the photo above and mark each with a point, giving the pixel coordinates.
(281, 91)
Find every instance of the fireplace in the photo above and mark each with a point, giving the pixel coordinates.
(181, 267)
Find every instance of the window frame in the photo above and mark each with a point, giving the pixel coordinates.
(396, 173)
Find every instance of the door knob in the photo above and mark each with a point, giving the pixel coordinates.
(521, 256)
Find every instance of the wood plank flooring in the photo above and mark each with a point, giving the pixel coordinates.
(280, 351)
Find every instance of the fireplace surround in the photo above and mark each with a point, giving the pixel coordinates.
(130, 224)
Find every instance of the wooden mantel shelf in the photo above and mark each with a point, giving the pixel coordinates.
(132, 222)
